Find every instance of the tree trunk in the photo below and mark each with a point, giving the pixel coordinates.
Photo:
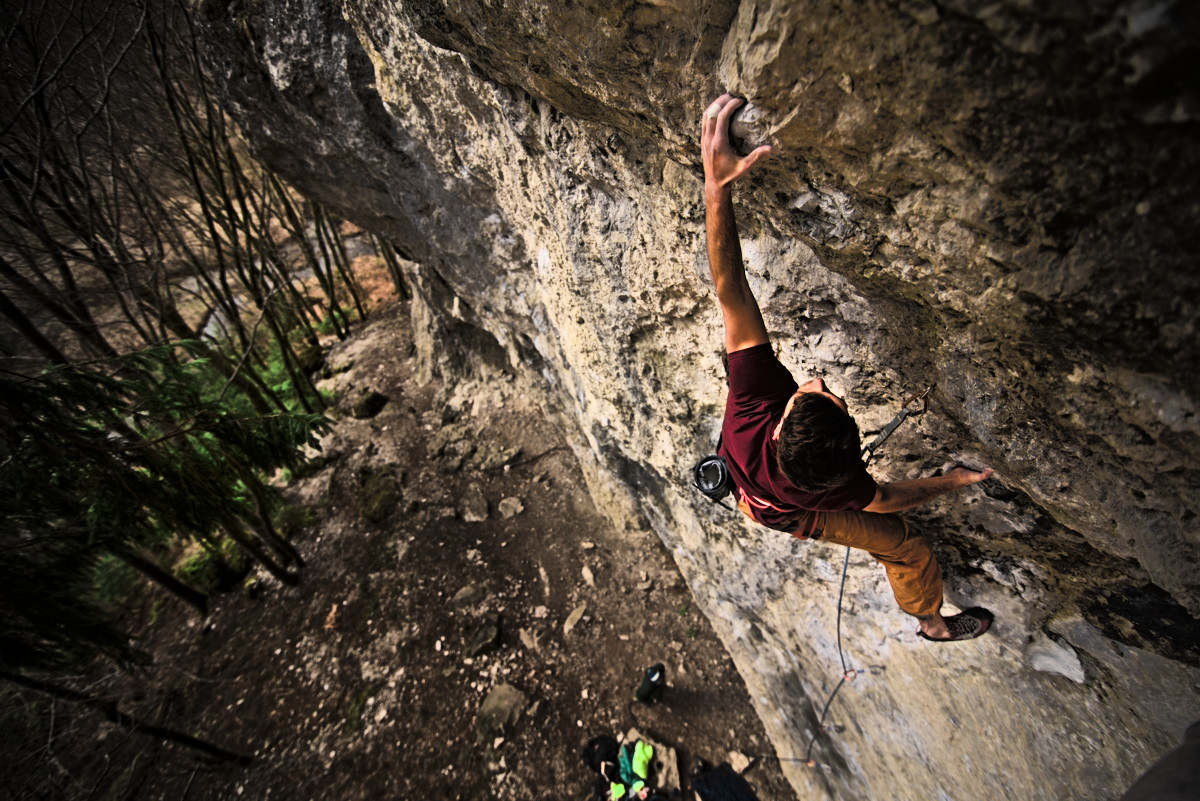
(342, 263)
(384, 250)
(109, 709)
(237, 535)
(164, 579)
(295, 370)
(267, 529)
(30, 331)
(323, 267)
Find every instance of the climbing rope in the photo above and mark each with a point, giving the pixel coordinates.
(867, 453)
(847, 674)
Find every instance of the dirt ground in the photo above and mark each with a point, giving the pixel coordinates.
(448, 515)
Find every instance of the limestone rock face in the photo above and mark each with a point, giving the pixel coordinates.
(998, 199)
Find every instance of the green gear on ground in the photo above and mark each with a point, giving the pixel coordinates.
(617, 790)
(642, 754)
(625, 764)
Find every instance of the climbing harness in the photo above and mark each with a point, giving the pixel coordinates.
(906, 411)
(711, 475)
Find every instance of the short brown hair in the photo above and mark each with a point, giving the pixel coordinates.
(818, 444)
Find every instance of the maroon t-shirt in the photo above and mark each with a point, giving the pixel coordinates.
(759, 390)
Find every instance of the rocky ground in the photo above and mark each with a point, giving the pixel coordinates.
(454, 556)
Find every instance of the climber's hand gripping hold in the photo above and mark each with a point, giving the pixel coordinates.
(722, 165)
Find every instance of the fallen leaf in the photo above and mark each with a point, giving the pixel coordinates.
(574, 618)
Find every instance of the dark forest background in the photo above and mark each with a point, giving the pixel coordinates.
(165, 302)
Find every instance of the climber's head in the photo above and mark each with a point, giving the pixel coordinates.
(818, 439)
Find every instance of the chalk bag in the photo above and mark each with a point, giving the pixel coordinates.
(711, 477)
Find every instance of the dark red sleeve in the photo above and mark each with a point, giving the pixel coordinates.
(757, 379)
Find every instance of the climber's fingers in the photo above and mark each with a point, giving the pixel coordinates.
(712, 128)
(965, 476)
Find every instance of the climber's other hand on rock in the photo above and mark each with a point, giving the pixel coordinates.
(965, 476)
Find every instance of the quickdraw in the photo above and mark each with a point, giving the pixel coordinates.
(905, 412)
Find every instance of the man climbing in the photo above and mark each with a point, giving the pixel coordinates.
(793, 450)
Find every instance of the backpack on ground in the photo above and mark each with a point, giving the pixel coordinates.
(723, 783)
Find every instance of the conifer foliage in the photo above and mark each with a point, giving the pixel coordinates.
(137, 231)
(117, 457)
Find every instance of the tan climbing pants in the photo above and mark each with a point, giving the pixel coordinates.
(911, 566)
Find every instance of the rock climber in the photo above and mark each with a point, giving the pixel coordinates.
(793, 450)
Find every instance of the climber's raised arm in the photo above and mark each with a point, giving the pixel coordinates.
(744, 325)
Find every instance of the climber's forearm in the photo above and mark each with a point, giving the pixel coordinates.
(898, 496)
(744, 325)
(901, 495)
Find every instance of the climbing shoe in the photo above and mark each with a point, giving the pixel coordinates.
(964, 626)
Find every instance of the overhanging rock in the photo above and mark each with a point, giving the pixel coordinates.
(993, 199)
